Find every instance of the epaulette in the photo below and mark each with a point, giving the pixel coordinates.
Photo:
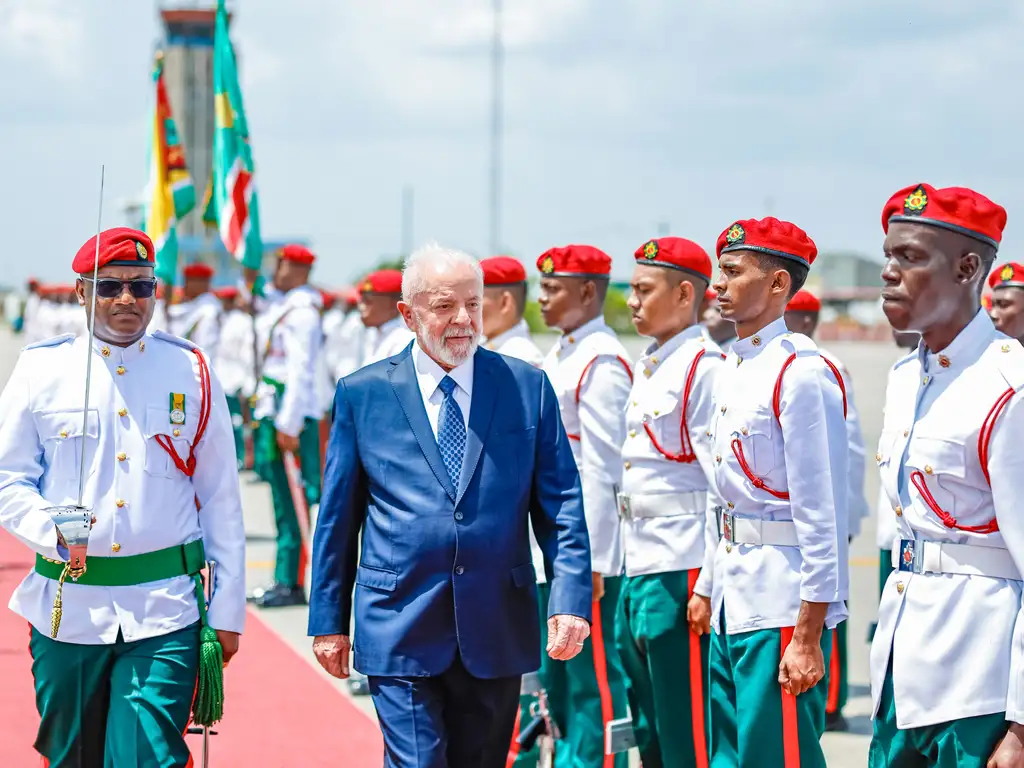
(52, 342)
(799, 343)
(1008, 355)
(176, 340)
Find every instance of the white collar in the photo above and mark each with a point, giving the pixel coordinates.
(518, 331)
(429, 373)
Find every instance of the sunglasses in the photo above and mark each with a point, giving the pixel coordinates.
(109, 288)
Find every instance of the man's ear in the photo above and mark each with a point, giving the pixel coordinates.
(407, 315)
(781, 283)
(968, 266)
(588, 292)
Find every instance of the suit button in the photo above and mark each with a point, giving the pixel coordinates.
(899, 587)
(459, 570)
(115, 547)
(458, 515)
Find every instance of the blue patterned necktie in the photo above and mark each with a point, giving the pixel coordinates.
(451, 431)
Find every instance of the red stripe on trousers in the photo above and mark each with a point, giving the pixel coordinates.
(700, 746)
(601, 668)
(513, 750)
(833, 676)
(790, 734)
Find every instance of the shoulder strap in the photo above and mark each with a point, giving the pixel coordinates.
(777, 393)
(51, 342)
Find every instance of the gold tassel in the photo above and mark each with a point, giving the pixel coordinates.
(58, 605)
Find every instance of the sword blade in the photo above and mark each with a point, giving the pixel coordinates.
(92, 335)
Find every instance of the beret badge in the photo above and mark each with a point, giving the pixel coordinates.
(1006, 273)
(547, 266)
(368, 287)
(650, 249)
(916, 202)
(735, 234)
(140, 249)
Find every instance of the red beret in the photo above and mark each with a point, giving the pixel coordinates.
(575, 261)
(768, 235)
(954, 208)
(503, 270)
(676, 253)
(300, 254)
(226, 292)
(1009, 275)
(986, 302)
(198, 269)
(804, 301)
(382, 281)
(349, 295)
(710, 295)
(119, 247)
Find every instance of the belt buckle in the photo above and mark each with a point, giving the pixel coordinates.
(728, 527)
(911, 555)
(625, 507)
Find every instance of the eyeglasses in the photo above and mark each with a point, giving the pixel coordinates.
(110, 288)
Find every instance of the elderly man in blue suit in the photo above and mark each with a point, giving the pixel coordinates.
(442, 456)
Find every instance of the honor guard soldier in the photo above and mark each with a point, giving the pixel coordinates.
(721, 330)
(664, 502)
(802, 315)
(288, 409)
(234, 363)
(115, 662)
(1007, 310)
(947, 658)
(504, 302)
(197, 317)
(779, 572)
(591, 375)
(386, 332)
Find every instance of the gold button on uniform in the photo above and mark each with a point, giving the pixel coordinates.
(654, 360)
(122, 412)
(176, 433)
(718, 458)
(899, 511)
(120, 370)
(878, 457)
(105, 351)
(906, 433)
(723, 409)
(142, 346)
(572, 340)
(728, 548)
(634, 403)
(122, 456)
(708, 433)
(756, 341)
(632, 433)
(899, 587)
(1005, 348)
(647, 372)
(928, 469)
(115, 547)
(120, 503)
(745, 431)
(63, 433)
(730, 505)
(627, 465)
(944, 361)
(657, 412)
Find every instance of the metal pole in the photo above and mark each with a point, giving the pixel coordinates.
(497, 57)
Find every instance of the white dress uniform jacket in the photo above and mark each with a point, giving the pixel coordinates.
(516, 342)
(234, 359)
(197, 321)
(141, 501)
(856, 503)
(344, 340)
(386, 340)
(591, 375)
(802, 454)
(667, 457)
(291, 342)
(950, 620)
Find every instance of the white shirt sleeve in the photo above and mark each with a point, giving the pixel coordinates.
(857, 503)
(699, 416)
(303, 340)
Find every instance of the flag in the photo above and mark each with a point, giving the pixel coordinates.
(170, 193)
(234, 200)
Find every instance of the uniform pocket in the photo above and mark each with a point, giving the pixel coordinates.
(64, 435)
(755, 430)
(943, 467)
(159, 462)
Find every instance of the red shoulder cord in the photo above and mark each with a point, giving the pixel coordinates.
(984, 438)
(189, 466)
(583, 375)
(737, 446)
(687, 454)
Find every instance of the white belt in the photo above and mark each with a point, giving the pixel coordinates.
(644, 505)
(746, 530)
(916, 556)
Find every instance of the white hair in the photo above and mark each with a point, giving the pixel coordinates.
(433, 257)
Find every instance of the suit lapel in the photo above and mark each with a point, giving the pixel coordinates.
(485, 385)
(403, 381)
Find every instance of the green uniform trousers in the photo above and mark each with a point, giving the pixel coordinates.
(838, 685)
(966, 743)
(585, 692)
(125, 704)
(237, 427)
(529, 758)
(666, 669)
(289, 536)
(753, 721)
(884, 568)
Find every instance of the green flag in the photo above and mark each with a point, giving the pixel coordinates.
(234, 200)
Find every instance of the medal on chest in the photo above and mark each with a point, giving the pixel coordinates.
(177, 409)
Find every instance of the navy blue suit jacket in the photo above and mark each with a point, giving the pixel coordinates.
(443, 569)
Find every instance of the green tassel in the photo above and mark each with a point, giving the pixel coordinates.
(208, 705)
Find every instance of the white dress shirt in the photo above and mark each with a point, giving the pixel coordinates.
(429, 375)
(803, 452)
(592, 362)
(955, 639)
(141, 501)
(664, 522)
(516, 342)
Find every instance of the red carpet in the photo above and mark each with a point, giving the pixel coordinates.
(279, 711)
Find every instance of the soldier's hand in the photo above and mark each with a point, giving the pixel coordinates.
(565, 636)
(1010, 751)
(287, 443)
(802, 667)
(698, 615)
(228, 643)
(332, 653)
(598, 581)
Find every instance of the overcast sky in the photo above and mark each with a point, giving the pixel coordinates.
(695, 114)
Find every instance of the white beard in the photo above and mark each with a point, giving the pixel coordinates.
(437, 349)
